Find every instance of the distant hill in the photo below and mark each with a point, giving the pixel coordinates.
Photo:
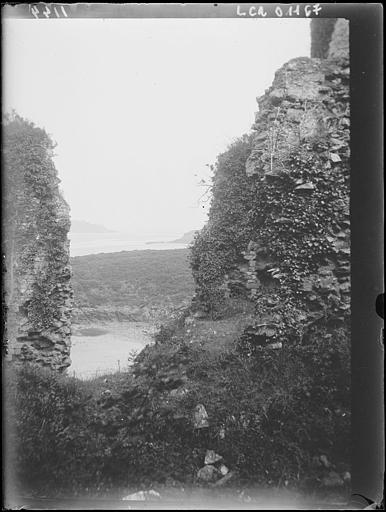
(81, 226)
(186, 238)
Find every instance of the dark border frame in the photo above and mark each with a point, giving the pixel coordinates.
(366, 34)
(366, 55)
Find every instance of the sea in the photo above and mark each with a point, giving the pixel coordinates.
(82, 244)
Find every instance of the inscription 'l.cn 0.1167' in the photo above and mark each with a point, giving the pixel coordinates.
(262, 11)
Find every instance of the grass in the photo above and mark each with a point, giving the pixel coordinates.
(134, 428)
(132, 281)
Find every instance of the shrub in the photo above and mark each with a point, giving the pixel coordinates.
(217, 247)
(48, 424)
(277, 410)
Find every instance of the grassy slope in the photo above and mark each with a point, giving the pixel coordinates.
(272, 408)
(132, 281)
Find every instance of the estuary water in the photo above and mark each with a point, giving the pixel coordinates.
(106, 348)
(82, 244)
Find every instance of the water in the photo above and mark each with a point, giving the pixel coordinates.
(105, 348)
(94, 243)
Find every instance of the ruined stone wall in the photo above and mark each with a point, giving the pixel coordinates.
(38, 294)
(339, 45)
(329, 38)
(292, 258)
(299, 259)
(321, 33)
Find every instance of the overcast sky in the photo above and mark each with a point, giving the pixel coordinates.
(138, 107)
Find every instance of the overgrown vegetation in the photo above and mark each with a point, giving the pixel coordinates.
(35, 226)
(272, 416)
(283, 218)
(138, 283)
(217, 247)
(28, 158)
(290, 200)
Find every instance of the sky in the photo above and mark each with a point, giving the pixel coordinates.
(139, 107)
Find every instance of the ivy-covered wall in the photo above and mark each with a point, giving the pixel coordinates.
(38, 294)
(279, 225)
(216, 250)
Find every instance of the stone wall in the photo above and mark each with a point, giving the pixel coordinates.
(339, 46)
(321, 33)
(299, 164)
(329, 38)
(38, 294)
(281, 235)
